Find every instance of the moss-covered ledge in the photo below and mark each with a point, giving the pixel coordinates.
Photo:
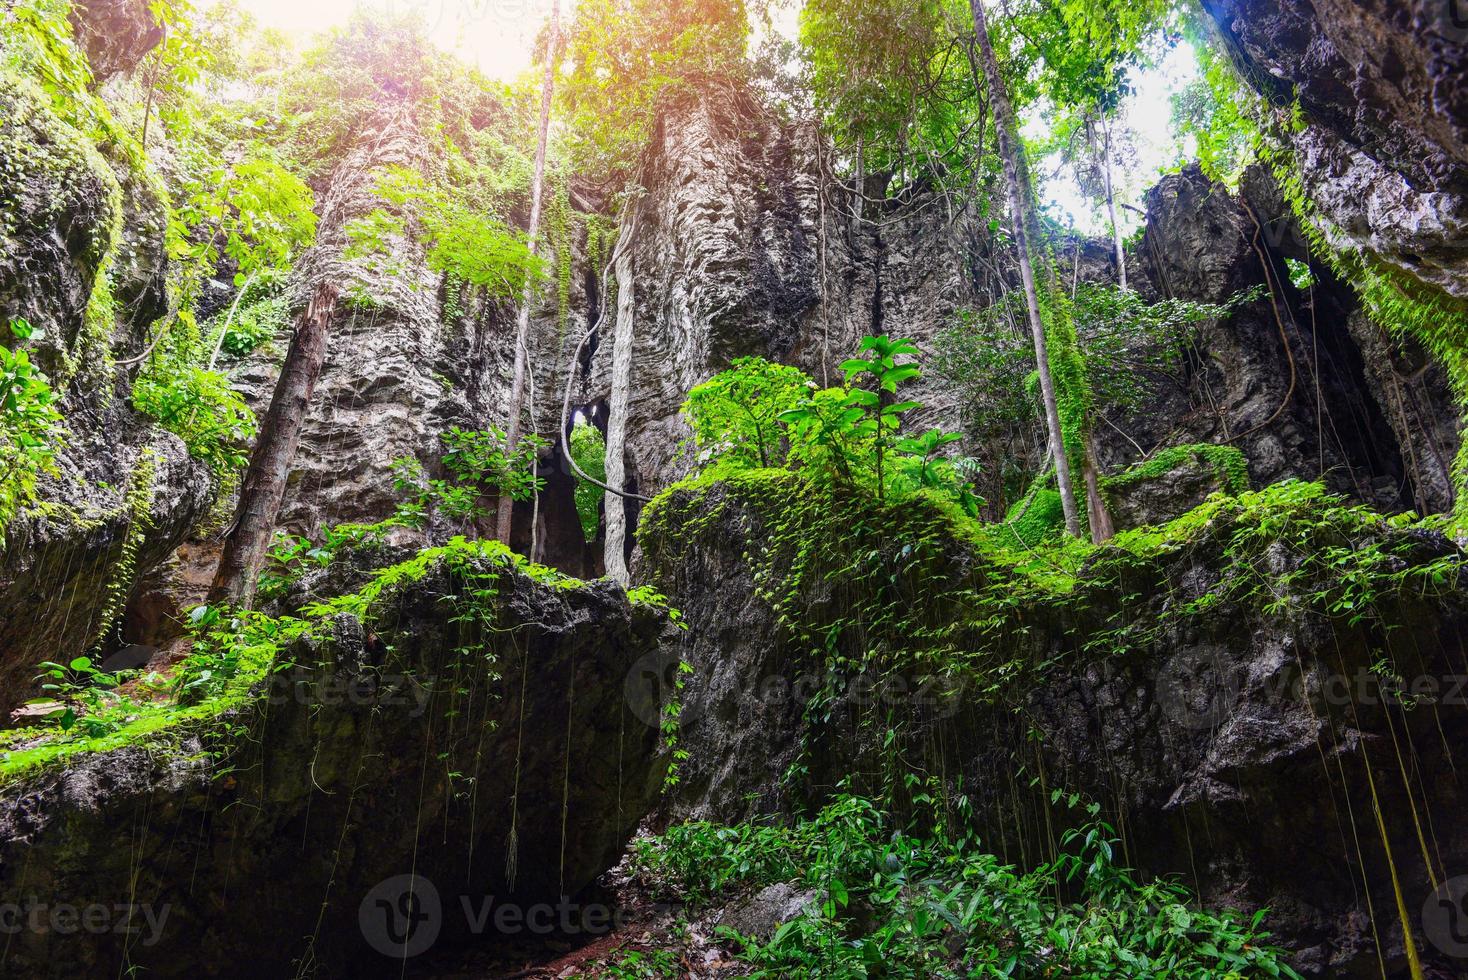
(1227, 688)
(464, 695)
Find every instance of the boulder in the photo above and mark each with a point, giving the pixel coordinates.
(464, 734)
(1234, 691)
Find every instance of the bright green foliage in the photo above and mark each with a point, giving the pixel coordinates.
(923, 900)
(759, 415)
(894, 77)
(589, 450)
(218, 685)
(463, 241)
(86, 696)
(1227, 462)
(628, 58)
(1219, 112)
(256, 213)
(262, 314)
(478, 468)
(201, 408)
(735, 416)
(1129, 349)
(30, 426)
(1037, 515)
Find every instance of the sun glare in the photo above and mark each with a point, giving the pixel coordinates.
(495, 36)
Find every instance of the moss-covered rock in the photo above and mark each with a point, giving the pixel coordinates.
(461, 718)
(1173, 482)
(1232, 689)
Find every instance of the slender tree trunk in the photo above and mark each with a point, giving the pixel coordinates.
(1019, 204)
(621, 386)
(275, 449)
(857, 199)
(1111, 203)
(506, 509)
(1103, 528)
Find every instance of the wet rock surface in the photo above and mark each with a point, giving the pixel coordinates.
(125, 494)
(404, 745)
(1235, 748)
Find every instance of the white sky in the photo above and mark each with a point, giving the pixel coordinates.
(497, 37)
(1148, 115)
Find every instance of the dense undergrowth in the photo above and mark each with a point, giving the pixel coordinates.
(881, 898)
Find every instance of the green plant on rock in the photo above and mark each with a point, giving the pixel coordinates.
(200, 407)
(463, 241)
(90, 704)
(30, 426)
(589, 450)
(917, 900)
(736, 415)
(479, 468)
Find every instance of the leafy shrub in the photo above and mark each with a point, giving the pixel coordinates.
(759, 415)
(902, 902)
(30, 427)
(735, 416)
(199, 407)
(589, 449)
(479, 469)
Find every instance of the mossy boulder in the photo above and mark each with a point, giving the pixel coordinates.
(464, 722)
(1230, 689)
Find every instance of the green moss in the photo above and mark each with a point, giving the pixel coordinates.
(1227, 462)
(918, 586)
(219, 683)
(1037, 515)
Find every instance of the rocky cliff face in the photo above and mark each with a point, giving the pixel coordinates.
(1383, 91)
(1234, 734)
(747, 245)
(1300, 379)
(126, 493)
(488, 753)
(396, 375)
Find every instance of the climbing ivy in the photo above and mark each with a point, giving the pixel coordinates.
(30, 426)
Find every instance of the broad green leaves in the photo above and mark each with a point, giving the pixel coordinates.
(30, 426)
(627, 58)
(759, 415)
(735, 415)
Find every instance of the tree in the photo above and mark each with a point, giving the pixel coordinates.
(522, 327)
(1020, 196)
(627, 58)
(622, 346)
(263, 490)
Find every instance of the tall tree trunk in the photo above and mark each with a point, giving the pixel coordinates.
(1111, 202)
(1019, 205)
(275, 449)
(1098, 515)
(506, 508)
(621, 387)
